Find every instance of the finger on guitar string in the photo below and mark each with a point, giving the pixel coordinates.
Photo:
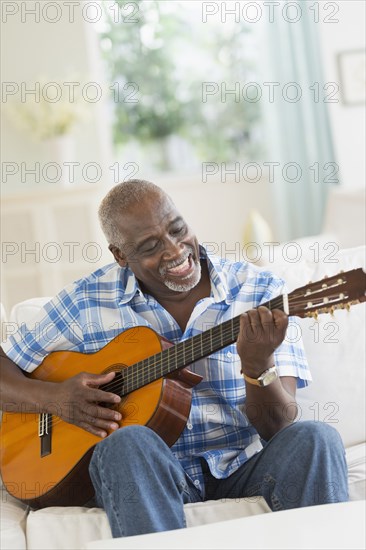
(91, 416)
(94, 381)
(81, 402)
(95, 395)
(257, 317)
(261, 332)
(274, 324)
(90, 383)
(280, 320)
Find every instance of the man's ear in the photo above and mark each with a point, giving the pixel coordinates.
(118, 256)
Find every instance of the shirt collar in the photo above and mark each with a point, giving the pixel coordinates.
(220, 290)
(130, 285)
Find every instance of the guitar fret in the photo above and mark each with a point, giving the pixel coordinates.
(165, 361)
(158, 365)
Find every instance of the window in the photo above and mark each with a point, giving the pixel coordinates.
(182, 85)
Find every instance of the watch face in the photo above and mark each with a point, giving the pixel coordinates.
(269, 377)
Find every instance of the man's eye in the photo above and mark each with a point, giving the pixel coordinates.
(179, 230)
(150, 248)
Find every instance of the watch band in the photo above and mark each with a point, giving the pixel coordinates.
(265, 379)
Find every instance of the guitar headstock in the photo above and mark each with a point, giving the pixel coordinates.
(337, 292)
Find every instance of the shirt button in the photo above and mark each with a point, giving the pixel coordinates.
(196, 482)
(229, 354)
(189, 426)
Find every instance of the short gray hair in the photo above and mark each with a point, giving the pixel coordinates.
(117, 201)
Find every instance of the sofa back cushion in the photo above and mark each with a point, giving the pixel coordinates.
(335, 347)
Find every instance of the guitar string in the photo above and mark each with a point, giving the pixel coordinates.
(138, 372)
(117, 387)
(133, 373)
(160, 362)
(276, 301)
(139, 368)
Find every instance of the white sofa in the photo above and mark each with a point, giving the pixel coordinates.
(335, 348)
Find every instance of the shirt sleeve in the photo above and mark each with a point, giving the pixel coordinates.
(290, 357)
(56, 327)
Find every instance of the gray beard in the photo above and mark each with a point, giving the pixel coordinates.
(184, 287)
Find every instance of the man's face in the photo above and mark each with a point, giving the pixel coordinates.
(159, 247)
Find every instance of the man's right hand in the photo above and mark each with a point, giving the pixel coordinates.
(79, 401)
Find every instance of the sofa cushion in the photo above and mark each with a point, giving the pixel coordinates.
(212, 511)
(64, 528)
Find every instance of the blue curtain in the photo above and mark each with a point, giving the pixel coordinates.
(298, 132)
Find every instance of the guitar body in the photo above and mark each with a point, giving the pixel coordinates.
(60, 477)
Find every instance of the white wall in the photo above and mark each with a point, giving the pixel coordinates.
(59, 52)
(347, 121)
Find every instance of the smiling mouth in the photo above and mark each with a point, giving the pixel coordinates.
(183, 269)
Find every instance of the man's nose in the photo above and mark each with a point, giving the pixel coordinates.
(172, 249)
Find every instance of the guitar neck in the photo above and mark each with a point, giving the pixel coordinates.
(336, 292)
(189, 351)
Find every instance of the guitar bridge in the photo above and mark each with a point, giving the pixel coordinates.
(45, 433)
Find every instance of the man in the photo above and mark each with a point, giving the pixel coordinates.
(240, 439)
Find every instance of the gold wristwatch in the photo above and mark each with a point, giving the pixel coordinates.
(265, 379)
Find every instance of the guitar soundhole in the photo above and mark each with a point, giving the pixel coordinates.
(116, 385)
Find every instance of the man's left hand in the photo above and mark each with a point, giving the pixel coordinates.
(261, 332)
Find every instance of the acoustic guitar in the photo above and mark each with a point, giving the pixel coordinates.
(44, 460)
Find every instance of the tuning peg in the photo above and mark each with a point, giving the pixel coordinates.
(348, 306)
(331, 311)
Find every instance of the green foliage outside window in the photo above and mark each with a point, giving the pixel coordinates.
(161, 61)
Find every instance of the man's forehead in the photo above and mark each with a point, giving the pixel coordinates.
(149, 215)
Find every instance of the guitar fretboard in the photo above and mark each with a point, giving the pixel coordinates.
(185, 353)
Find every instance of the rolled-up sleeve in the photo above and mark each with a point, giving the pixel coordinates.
(56, 327)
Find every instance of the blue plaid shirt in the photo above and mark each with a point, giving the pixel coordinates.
(89, 313)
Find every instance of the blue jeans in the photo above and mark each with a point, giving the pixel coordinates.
(142, 486)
